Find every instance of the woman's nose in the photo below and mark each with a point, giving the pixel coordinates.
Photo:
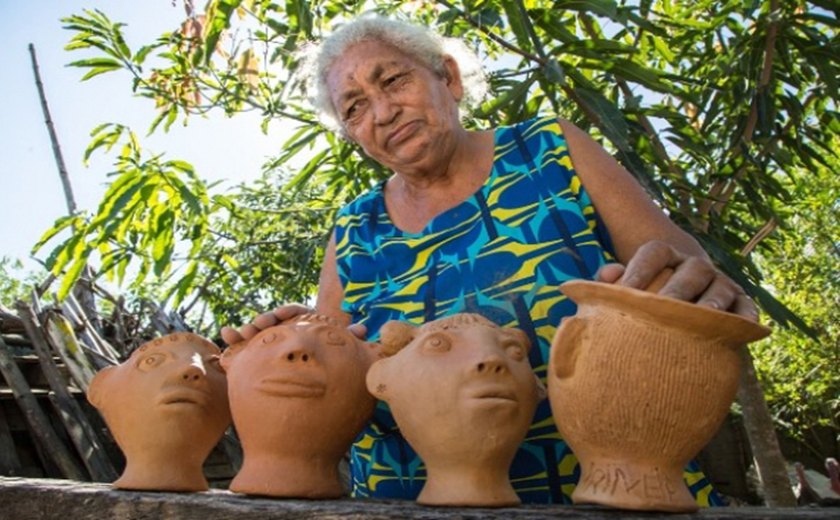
(384, 110)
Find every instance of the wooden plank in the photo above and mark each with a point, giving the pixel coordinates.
(47, 439)
(9, 460)
(81, 433)
(47, 499)
(63, 341)
(96, 341)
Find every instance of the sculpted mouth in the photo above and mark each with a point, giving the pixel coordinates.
(184, 397)
(292, 387)
(496, 394)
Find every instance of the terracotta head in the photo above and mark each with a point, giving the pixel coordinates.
(298, 398)
(167, 407)
(462, 392)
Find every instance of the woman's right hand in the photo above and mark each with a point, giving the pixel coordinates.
(264, 321)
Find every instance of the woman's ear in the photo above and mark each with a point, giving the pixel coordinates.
(452, 74)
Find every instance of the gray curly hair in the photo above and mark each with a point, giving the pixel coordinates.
(416, 41)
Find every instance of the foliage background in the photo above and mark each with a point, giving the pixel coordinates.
(725, 111)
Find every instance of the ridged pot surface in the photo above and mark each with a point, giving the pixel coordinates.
(638, 384)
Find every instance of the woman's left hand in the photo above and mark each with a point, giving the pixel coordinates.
(694, 279)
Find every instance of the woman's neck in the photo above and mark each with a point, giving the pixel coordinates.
(414, 198)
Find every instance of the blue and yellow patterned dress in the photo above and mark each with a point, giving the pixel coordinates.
(501, 253)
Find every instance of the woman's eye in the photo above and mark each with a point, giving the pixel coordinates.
(395, 79)
(150, 361)
(354, 111)
(437, 343)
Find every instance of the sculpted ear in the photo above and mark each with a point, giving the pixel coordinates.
(541, 391)
(377, 379)
(96, 390)
(395, 335)
(230, 353)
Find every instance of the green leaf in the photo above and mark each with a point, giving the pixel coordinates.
(72, 275)
(610, 119)
(164, 241)
(645, 76)
(517, 24)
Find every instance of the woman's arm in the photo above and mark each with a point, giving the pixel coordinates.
(328, 302)
(645, 239)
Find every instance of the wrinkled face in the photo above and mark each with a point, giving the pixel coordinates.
(394, 107)
(171, 390)
(474, 383)
(301, 376)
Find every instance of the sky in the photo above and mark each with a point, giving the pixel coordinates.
(31, 196)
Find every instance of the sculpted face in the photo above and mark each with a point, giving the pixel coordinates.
(168, 401)
(300, 377)
(462, 385)
(394, 107)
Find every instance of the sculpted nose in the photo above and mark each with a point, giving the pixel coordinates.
(297, 352)
(192, 373)
(299, 355)
(492, 364)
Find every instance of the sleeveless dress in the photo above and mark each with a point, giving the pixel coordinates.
(502, 253)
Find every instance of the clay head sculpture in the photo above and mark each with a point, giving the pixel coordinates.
(167, 407)
(639, 383)
(298, 398)
(463, 395)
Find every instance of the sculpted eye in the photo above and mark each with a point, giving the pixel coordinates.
(514, 349)
(334, 337)
(437, 343)
(516, 352)
(151, 361)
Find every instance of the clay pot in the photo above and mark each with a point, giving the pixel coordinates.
(167, 408)
(298, 397)
(463, 395)
(638, 384)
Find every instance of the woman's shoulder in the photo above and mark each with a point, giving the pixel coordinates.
(367, 202)
(543, 127)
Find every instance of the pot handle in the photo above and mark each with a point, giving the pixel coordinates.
(566, 345)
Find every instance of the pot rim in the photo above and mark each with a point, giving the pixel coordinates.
(691, 317)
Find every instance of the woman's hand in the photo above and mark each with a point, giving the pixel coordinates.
(694, 279)
(275, 317)
(263, 321)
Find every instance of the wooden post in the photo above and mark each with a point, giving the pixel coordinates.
(9, 460)
(83, 290)
(39, 424)
(772, 471)
(81, 433)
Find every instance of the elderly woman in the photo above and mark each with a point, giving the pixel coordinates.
(490, 222)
